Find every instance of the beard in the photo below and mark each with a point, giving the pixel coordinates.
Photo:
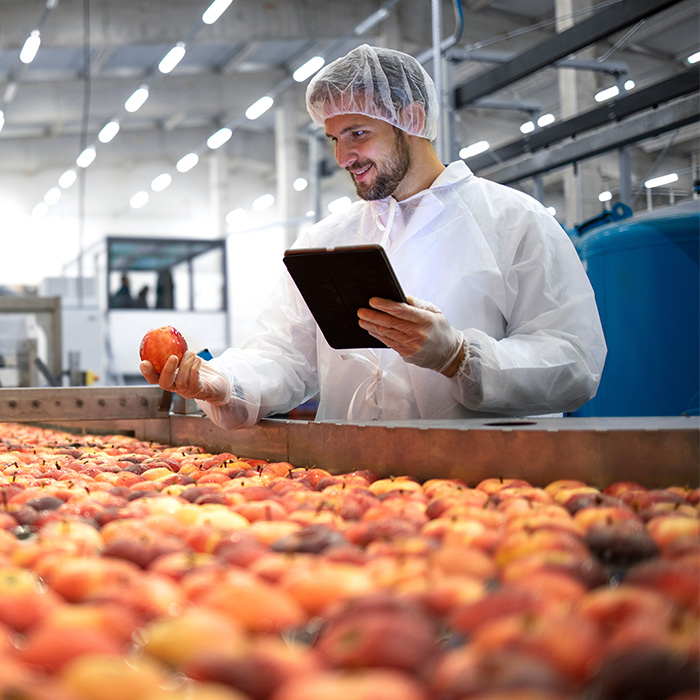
(389, 175)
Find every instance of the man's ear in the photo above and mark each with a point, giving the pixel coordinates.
(415, 115)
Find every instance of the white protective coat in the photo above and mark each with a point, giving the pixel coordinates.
(493, 260)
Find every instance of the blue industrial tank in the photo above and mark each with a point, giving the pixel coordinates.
(645, 273)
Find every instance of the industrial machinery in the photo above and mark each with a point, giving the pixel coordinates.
(645, 271)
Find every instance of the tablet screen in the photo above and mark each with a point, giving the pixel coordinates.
(336, 282)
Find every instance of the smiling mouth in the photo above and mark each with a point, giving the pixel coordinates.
(359, 174)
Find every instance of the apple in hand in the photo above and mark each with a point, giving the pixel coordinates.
(160, 343)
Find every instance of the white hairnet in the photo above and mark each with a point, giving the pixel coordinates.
(379, 83)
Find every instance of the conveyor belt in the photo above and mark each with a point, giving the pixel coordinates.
(655, 452)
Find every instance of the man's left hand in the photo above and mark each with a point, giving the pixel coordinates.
(418, 331)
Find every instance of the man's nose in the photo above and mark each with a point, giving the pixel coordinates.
(344, 156)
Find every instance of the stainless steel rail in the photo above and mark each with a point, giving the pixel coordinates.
(656, 452)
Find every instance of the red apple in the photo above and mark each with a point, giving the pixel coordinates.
(251, 602)
(105, 676)
(361, 684)
(621, 543)
(465, 672)
(508, 599)
(646, 672)
(24, 600)
(665, 529)
(267, 663)
(318, 585)
(544, 638)
(379, 630)
(673, 579)
(585, 569)
(194, 633)
(51, 645)
(160, 343)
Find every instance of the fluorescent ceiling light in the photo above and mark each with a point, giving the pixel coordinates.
(605, 196)
(259, 108)
(263, 202)
(86, 157)
(67, 179)
(172, 58)
(661, 180)
(307, 69)
(219, 138)
(159, 183)
(30, 48)
(372, 21)
(527, 127)
(52, 196)
(546, 120)
(215, 10)
(607, 94)
(474, 149)
(139, 199)
(187, 162)
(108, 131)
(138, 97)
(236, 216)
(10, 91)
(300, 184)
(694, 57)
(40, 210)
(339, 204)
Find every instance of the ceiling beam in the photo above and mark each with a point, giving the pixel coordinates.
(654, 122)
(615, 110)
(582, 34)
(127, 22)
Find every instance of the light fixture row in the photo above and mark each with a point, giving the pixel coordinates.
(133, 103)
(224, 134)
(216, 140)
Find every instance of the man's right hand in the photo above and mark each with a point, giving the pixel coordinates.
(194, 378)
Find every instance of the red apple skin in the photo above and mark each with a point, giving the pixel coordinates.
(465, 672)
(379, 630)
(267, 664)
(361, 684)
(671, 578)
(649, 672)
(50, 646)
(542, 638)
(23, 600)
(160, 343)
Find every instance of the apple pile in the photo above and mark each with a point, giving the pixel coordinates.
(138, 571)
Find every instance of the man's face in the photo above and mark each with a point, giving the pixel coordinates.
(376, 155)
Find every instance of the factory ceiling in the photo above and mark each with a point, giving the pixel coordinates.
(95, 54)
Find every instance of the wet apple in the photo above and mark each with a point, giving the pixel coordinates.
(160, 343)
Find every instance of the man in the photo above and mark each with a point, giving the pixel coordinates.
(122, 299)
(502, 322)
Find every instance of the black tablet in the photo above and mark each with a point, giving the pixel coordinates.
(336, 282)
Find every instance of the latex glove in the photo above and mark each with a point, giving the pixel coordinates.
(418, 331)
(194, 378)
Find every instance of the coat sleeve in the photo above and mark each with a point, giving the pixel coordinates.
(551, 358)
(275, 369)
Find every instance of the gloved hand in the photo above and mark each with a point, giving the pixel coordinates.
(194, 378)
(418, 331)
